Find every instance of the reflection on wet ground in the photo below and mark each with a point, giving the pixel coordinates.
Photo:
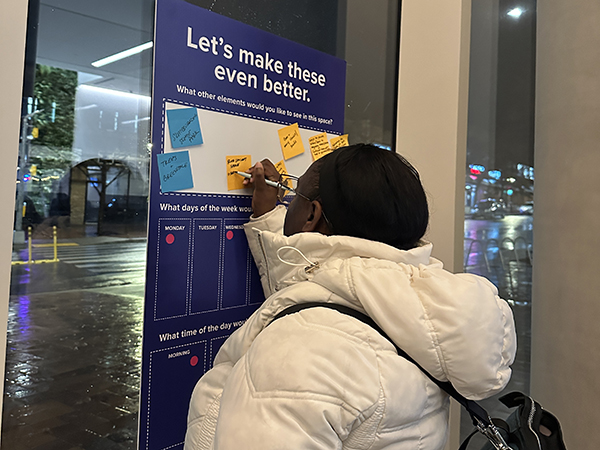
(74, 337)
(502, 251)
(74, 349)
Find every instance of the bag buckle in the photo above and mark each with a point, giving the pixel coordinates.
(492, 434)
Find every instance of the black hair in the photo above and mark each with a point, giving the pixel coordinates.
(375, 194)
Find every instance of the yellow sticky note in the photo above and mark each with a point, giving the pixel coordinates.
(340, 141)
(319, 146)
(291, 143)
(235, 163)
(280, 166)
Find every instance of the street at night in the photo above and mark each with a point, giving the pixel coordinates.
(74, 347)
(502, 250)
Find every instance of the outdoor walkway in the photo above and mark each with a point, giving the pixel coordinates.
(74, 348)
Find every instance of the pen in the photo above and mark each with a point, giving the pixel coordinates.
(269, 182)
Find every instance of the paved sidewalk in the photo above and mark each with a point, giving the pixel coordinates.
(74, 349)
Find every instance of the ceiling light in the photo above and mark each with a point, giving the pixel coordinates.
(121, 55)
(515, 13)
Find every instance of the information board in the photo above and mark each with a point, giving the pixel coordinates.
(225, 95)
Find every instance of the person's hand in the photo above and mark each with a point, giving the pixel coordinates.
(264, 198)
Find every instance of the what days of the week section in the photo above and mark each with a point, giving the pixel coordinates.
(198, 267)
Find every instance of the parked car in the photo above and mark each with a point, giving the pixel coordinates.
(527, 209)
(488, 209)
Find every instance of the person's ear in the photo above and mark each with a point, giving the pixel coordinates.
(315, 220)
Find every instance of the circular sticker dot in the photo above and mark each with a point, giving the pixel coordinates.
(229, 235)
(194, 360)
(170, 238)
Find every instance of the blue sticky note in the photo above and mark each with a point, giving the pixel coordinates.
(175, 171)
(184, 127)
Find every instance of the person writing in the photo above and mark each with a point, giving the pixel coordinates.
(351, 235)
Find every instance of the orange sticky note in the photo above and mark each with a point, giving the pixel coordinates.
(340, 141)
(291, 143)
(319, 146)
(280, 166)
(237, 163)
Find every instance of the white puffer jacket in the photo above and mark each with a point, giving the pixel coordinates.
(322, 380)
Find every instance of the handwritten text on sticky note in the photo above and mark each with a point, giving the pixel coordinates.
(237, 163)
(184, 127)
(280, 166)
(175, 171)
(291, 143)
(340, 141)
(319, 146)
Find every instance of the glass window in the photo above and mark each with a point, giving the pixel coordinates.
(499, 173)
(365, 34)
(74, 332)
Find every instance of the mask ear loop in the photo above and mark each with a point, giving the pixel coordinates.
(312, 266)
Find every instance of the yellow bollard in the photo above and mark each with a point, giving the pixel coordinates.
(55, 245)
(29, 244)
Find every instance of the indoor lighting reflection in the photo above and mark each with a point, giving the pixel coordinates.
(122, 55)
(106, 91)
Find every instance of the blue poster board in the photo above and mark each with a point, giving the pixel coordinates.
(221, 88)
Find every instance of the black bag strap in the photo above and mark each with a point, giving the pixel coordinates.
(476, 411)
(465, 443)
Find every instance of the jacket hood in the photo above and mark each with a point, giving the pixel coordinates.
(454, 325)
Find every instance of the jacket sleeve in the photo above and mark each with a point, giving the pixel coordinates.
(466, 332)
(271, 221)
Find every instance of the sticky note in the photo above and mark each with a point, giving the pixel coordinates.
(291, 143)
(237, 163)
(175, 171)
(280, 166)
(184, 127)
(340, 141)
(319, 146)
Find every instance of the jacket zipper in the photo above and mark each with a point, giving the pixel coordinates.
(264, 253)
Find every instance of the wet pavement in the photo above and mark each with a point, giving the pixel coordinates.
(75, 326)
(74, 349)
(502, 251)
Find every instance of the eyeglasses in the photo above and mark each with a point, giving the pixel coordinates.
(287, 189)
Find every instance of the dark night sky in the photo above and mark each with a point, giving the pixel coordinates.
(502, 89)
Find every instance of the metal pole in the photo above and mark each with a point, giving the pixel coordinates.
(20, 172)
(102, 207)
(22, 169)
